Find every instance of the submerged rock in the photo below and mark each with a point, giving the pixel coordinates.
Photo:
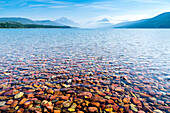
(92, 109)
(74, 105)
(66, 104)
(133, 107)
(19, 95)
(2, 103)
(157, 111)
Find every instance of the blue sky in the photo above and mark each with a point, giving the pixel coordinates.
(84, 10)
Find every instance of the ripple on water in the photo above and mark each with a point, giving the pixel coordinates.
(119, 71)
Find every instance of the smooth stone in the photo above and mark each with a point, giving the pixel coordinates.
(79, 101)
(133, 107)
(19, 95)
(53, 101)
(107, 97)
(92, 109)
(22, 101)
(4, 107)
(17, 107)
(57, 111)
(74, 105)
(157, 111)
(110, 101)
(14, 104)
(79, 107)
(71, 109)
(67, 86)
(9, 102)
(109, 109)
(64, 97)
(69, 81)
(115, 107)
(44, 102)
(50, 91)
(136, 101)
(141, 111)
(119, 89)
(50, 108)
(126, 100)
(66, 104)
(37, 106)
(97, 104)
(21, 110)
(27, 103)
(59, 102)
(2, 103)
(37, 102)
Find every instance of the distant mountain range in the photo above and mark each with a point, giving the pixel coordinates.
(66, 21)
(104, 20)
(8, 25)
(160, 21)
(59, 22)
(101, 23)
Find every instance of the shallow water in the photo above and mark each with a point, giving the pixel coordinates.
(137, 61)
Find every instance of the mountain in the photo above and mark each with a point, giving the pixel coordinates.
(11, 25)
(29, 21)
(48, 22)
(66, 21)
(128, 23)
(160, 21)
(102, 23)
(19, 20)
(104, 20)
(19, 25)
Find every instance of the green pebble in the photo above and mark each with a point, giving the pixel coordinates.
(133, 107)
(107, 97)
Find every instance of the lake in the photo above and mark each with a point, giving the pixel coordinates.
(85, 70)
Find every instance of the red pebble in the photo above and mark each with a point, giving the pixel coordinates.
(92, 109)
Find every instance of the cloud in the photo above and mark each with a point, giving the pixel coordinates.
(121, 18)
(80, 5)
(102, 7)
(124, 18)
(98, 5)
(146, 1)
(58, 6)
(38, 5)
(58, 2)
(49, 4)
(50, 1)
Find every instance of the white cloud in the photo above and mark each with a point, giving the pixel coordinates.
(50, 1)
(113, 19)
(124, 18)
(58, 6)
(58, 2)
(121, 18)
(98, 6)
(38, 5)
(147, 1)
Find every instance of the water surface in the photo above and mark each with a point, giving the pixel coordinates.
(137, 61)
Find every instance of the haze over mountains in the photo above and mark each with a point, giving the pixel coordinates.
(100, 23)
(160, 21)
(59, 22)
(66, 21)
